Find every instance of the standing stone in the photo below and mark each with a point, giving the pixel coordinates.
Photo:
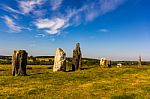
(15, 63)
(59, 60)
(139, 61)
(19, 62)
(108, 63)
(77, 58)
(105, 62)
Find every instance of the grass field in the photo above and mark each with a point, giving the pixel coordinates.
(92, 83)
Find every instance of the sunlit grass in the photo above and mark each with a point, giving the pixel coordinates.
(105, 83)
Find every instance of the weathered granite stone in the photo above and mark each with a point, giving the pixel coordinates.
(108, 64)
(105, 62)
(59, 60)
(139, 61)
(77, 58)
(19, 62)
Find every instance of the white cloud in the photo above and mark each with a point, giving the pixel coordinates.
(39, 13)
(9, 9)
(15, 16)
(109, 5)
(55, 4)
(74, 16)
(11, 24)
(71, 16)
(104, 30)
(40, 35)
(88, 12)
(51, 26)
(27, 28)
(100, 8)
(29, 6)
(90, 16)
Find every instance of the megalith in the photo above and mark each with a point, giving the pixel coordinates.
(19, 62)
(105, 62)
(108, 63)
(139, 61)
(59, 60)
(77, 58)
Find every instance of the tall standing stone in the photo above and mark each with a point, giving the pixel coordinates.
(15, 63)
(77, 58)
(59, 60)
(19, 62)
(139, 61)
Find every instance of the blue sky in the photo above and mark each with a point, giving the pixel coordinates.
(116, 29)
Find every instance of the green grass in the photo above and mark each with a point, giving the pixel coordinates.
(92, 83)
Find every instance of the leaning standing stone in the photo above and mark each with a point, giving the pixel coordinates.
(59, 60)
(77, 58)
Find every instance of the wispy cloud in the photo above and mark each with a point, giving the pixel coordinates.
(91, 16)
(55, 4)
(109, 5)
(11, 24)
(9, 9)
(100, 8)
(39, 13)
(52, 20)
(91, 10)
(74, 16)
(51, 26)
(28, 6)
(40, 35)
(27, 28)
(104, 30)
